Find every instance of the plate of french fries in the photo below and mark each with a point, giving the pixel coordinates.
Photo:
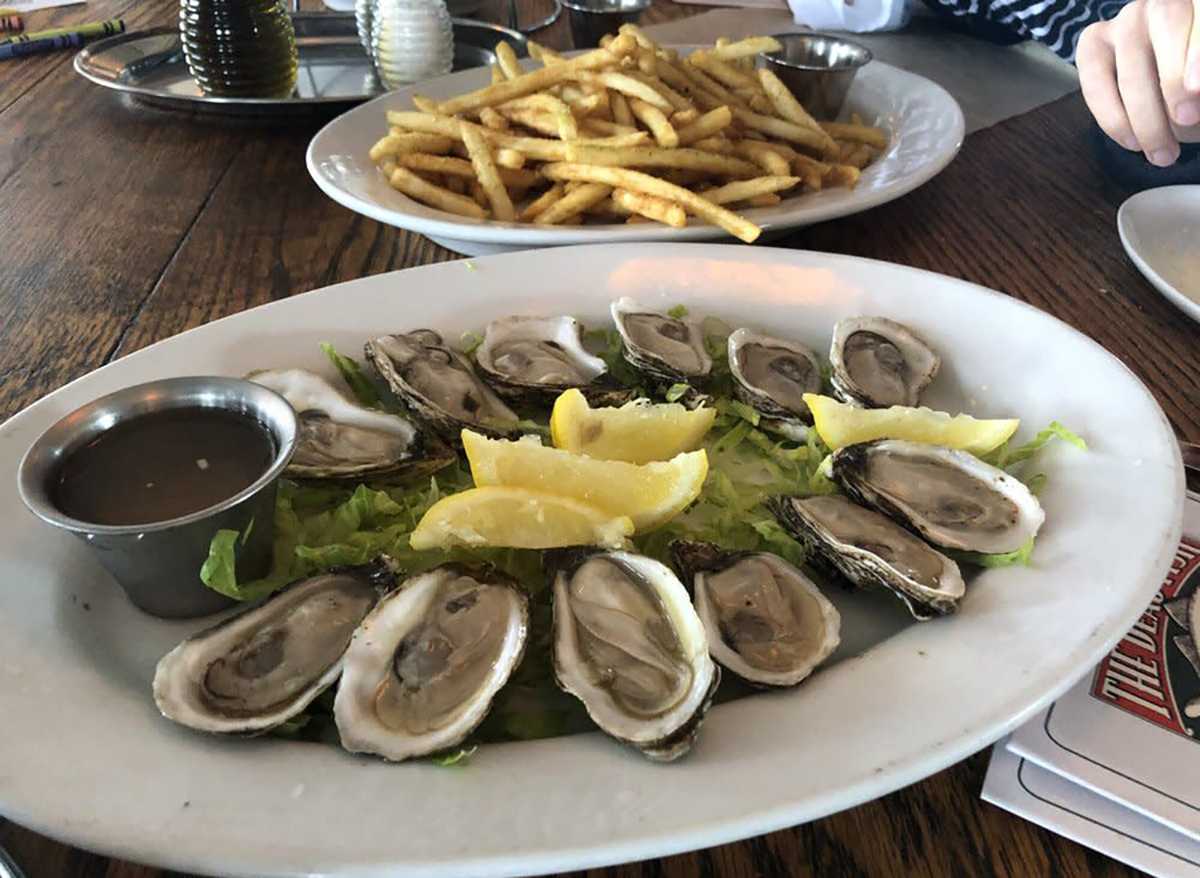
(632, 141)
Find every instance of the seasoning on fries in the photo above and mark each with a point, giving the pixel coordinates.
(629, 132)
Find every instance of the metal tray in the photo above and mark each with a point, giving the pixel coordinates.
(333, 67)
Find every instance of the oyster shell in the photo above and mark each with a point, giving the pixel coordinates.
(665, 349)
(257, 669)
(771, 375)
(439, 385)
(766, 621)
(534, 359)
(422, 670)
(869, 549)
(337, 438)
(951, 498)
(878, 362)
(629, 645)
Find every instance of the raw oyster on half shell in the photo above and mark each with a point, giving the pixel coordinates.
(766, 621)
(868, 549)
(534, 359)
(439, 385)
(951, 498)
(876, 362)
(422, 670)
(259, 668)
(667, 350)
(336, 438)
(629, 644)
(771, 375)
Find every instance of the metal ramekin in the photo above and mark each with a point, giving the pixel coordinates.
(158, 564)
(818, 69)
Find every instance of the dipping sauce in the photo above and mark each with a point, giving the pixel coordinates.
(163, 465)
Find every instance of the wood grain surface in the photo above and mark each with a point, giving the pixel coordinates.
(121, 225)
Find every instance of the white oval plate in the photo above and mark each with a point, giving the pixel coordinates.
(1159, 229)
(85, 757)
(925, 121)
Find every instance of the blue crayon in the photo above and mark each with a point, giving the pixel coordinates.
(37, 47)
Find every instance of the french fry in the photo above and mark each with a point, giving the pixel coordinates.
(545, 56)
(527, 83)
(605, 129)
(585, 105)
(653, 118)
(679, 102)
(684, 117)
(627, 85)
(479, 194)
(779, 128)
(875, 137)
(706, 126)
(766, 199)
(618, 141)
(763, 156)
(723, 71)
(760, 103)
(785, 102)
(860, 156)
(622, 115)
(486, 171)
(435, 196)
(710, 86)
(531, 211)
(813, 171)
(573, 203)
(462, 168)
(533, 118)
(393, 144)
(715, 144)
(425, 105)
(640, 36)
(493, 120)
(744, 190)
(506, 58)
(457, 185)
(509, 158)
(847, 175)
(608, 209)
(653, 208)
(662, 157)
(647, 62)
(746, 48)
(497, 74)
(635, 181)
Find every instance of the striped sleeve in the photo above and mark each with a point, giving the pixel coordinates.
(1054, 23)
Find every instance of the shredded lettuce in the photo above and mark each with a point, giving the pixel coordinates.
(677, 311)
(353, 376)
(1006, 455)
(470, 340)
(454, 756)
(676, 392)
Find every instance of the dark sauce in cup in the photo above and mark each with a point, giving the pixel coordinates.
(163, 465)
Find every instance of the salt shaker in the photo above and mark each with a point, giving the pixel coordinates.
(412, 40)
(364, 16)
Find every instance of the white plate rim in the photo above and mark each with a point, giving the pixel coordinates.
(787, 215)
(941, 755)
(1127, 233)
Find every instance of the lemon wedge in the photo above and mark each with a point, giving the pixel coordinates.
(841, 424)
(517, 518)
(650, 494)
(636, 432)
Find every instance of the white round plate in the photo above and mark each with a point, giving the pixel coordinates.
(925, 121)
(85, 757)
(1159, 229)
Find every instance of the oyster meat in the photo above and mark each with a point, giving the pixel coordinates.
(439, 385)
(257, 669)
(869, 549)
(877, 362)
(665, 349)
(336, 438)
(629, 645)
(771, 375)
(951, 498)
(422, 670)
(534, 359)
(766, 621)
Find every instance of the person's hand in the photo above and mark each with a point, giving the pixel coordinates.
(1140, 73)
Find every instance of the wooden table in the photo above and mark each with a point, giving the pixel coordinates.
(121, 225)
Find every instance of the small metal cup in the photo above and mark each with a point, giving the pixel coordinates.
(818, 69)
(592, 19)
(158, 564)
